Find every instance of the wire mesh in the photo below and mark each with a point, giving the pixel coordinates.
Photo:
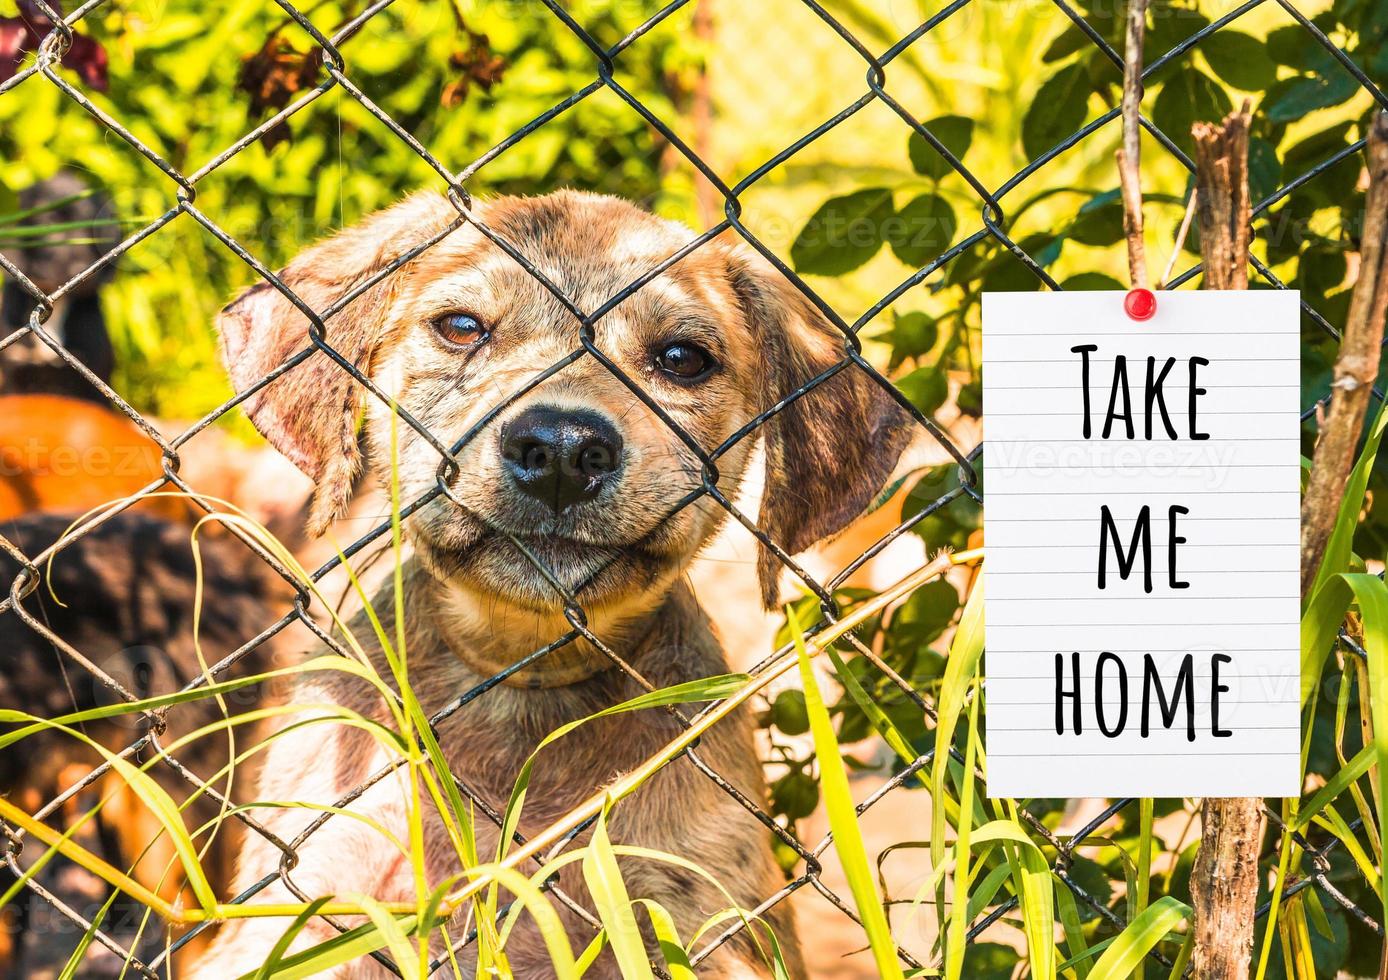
(148, 959)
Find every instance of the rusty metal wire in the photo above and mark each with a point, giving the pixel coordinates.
(336, 74)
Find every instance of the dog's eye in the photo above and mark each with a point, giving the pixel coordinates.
(688, 362)
(460, 329)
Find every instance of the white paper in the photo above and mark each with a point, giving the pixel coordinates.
(1045, 487)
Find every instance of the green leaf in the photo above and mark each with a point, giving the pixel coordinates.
(667, 937)
(871, 709)
(912, 335)
(396, 935)
(1007, 273)
(1239, 59)
(788, 712)
(927, 613)
(990, 961)
(1188, 96)
(166, 811)
(795, 794)
(955, 132)
(922, 230)
(1264, 169)
(926, 388)
(277, 952)
(9, 203)
(1315, 148)
(843, 234)
(1031, 874)
(1321, 270)
(1090, 280)
(1099, 221)
(1297, 48)
(970, 399)
(1291, 98)
(1058, 109)
(313, 961)
(965, 650)
(1073, 928)
(1170, 25)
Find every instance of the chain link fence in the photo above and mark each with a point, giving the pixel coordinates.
(151, 959)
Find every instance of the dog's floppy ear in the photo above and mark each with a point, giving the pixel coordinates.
(310, 413)
(830, 451)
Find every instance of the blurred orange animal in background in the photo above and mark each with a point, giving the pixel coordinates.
(61, 454)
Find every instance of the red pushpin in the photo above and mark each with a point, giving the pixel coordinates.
(1140, 304)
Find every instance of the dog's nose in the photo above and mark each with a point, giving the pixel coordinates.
(560, 457)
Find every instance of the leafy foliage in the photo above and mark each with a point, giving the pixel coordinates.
(190, 85)
(1308, 110)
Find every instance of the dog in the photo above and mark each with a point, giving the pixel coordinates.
(584, 475)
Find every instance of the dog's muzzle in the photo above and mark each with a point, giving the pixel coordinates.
(560, 457)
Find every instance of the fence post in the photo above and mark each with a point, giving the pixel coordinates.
(1224, 880)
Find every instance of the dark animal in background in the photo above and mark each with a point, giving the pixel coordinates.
(125, 601)
(88, 231)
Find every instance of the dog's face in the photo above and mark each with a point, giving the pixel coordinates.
(579, 469)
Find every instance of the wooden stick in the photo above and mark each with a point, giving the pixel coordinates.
(1130, 154)
(1356, 367)
(1180, 238)
(1224, 880)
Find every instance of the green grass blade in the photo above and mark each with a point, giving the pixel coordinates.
(396, 940)
(73, 966)
(1361, 763)
(1032, 873)
(1371, 594)
(1339, 548)
(358, 942)
(964, 653)
(843, 816)
(1320, 622)
(871, 709)
(282, 944)
(1330, 820)
(1146, 809)
(956, 932)
(667, 936)
(166, 811)
(1075, 942)
(1139, 938)
(609, 893)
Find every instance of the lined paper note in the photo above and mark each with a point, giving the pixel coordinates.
(1142, 533)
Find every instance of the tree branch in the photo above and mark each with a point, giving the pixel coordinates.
(1130, 154)
(1224, 880)
(1356, 367)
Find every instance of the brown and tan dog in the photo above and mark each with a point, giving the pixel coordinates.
(584, 475)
